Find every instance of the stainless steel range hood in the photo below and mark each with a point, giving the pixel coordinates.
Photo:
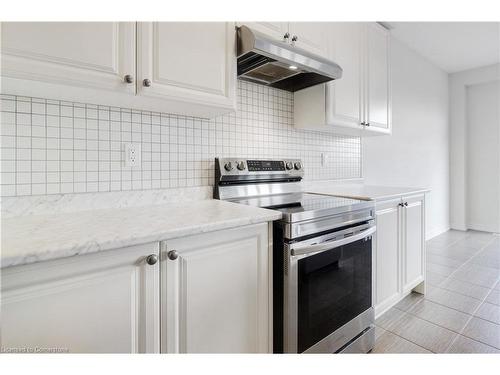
(278, 64)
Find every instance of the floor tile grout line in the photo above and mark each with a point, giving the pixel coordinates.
(401, 337)
(456, 334)
(478, 306)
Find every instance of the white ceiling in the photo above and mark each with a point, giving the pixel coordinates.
(453, 46)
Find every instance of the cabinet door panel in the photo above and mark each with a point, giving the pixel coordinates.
(190, 62)
(388, 257)
(311, 36)
(378, 81)
(216, 296)
(275, 30)
(344, 95)
(98, 303)
(414, 242)
(84, 54)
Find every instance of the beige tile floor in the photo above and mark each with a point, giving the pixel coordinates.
(460, 312)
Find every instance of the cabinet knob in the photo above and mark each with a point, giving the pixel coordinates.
(295, 38)
(406, 204)
(152, 259)
(367, 124)
(172, 255)
(286, 36)
(146, 82)
(128, 79)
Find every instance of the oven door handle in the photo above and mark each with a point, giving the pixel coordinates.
(328, 245)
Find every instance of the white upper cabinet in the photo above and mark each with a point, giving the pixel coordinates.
(187, 63)
(344, 96)
(275, 30)
(190, 67)
(359, 103)
(378, 106)
(82, 54)
(310, 36)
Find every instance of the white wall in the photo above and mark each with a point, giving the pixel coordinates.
(483, 157)
(417, 153)
(458, 129)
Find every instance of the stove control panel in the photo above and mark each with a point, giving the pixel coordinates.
(259, 167)
(265, 165)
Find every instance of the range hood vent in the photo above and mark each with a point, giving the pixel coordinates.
(277, 64)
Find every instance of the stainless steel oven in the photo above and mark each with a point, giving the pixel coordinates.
(327, 291)
(322, 256)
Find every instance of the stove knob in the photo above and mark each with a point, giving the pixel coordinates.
(298, 165)
(241, 166)
(289, 165)
(228, 166)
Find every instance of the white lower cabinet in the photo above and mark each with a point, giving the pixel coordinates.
(106, 302)
(387, 257)
(399, 258)
(413, 242)
(212, 295)
(215, 292)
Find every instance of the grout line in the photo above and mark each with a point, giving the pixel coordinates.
(457, 334)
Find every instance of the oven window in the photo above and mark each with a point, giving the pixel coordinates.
(333, 288)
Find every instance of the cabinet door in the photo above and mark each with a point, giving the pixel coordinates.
(216, 292)
(387, 255)
(98, 303)
(275, 30)
(378, 95)
(190, 65)
(81, 54)
(414, 242)
(311, 36)
(343, 102)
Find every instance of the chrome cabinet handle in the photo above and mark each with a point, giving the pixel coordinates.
(406, 204)
(172, 255)
(329, 245)
(286, 36)
(128, 78)
(295, 38)
(152, 259)
(146, 82)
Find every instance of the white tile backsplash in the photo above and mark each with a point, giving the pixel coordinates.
(51, 147)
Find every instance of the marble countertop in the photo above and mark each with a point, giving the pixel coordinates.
(364, 192)
(35, 238)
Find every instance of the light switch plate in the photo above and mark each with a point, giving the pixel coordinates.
(132, 154)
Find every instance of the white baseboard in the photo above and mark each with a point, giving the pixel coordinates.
(458, 226)
(483, 227)
(436, 232)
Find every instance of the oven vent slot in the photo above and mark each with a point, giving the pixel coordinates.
(285, 262)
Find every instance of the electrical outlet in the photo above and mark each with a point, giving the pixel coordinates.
(325, 158)
(132, 154)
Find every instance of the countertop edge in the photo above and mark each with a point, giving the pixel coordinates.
(95, 247)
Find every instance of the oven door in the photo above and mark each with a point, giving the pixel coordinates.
(328, 286)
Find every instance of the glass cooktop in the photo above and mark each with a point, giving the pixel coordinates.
(301, 206)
